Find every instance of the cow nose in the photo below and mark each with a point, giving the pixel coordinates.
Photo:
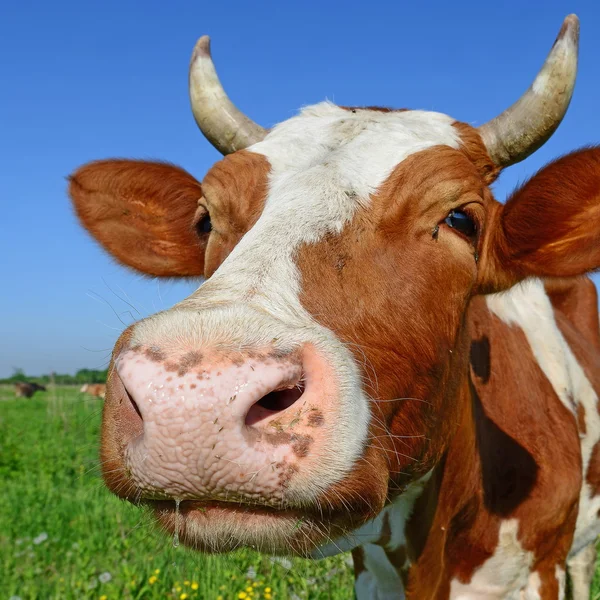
(244, 392)
(211, 426)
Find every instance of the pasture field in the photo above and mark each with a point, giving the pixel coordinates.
(63, 536)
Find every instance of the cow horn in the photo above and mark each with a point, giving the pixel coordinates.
(528, 123)
(223, 125)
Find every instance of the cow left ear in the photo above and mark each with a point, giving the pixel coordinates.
(549, 227)
(142, 213)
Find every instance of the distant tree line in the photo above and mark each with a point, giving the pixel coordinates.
(82, 376)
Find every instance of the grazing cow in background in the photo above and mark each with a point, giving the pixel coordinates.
(383, 358)
(94, 389)
(26, 390)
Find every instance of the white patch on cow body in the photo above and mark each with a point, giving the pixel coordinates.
(581, 569)
(325, 164)
(504, 575)
(381, 579)
(527, 306)
(561, 578)
(534, 585)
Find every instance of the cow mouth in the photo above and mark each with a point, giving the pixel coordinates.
(219, 527)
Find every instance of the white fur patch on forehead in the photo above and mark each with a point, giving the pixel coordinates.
(359, 147)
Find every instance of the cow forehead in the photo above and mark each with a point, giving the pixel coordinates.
(354, 150)
(325, 164)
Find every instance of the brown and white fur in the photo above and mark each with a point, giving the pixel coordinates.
(449, 432)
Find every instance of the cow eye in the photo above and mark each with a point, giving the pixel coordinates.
(204, 225)
(462, 222)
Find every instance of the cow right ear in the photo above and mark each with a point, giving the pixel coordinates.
(143, 214)
(549, 227)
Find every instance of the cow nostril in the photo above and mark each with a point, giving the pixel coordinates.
(273, 402)
(134, 405)
(280, 400)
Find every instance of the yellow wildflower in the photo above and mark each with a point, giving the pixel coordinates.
(156, 571)
(178, 589)
(103, 597)
(186, 583)
(255, 584)
(242, 595)
(194, 585)
(152, 580)
(183, 596)
(268, 596)
(219, 597)
(249, 589)
(267, 590)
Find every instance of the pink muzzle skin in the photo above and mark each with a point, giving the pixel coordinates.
(238, 427)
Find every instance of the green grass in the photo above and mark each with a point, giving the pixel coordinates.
(63, 535)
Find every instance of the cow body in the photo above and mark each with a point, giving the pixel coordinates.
(504, 515)
(97, 390)
(383, 358)
(26, 390)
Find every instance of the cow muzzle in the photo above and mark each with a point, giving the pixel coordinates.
(253, 434)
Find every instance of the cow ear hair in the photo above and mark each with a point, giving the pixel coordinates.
(142, 213)
(549, 227)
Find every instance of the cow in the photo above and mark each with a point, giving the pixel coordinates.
(97, 390)
(25, 389)
(382, 357)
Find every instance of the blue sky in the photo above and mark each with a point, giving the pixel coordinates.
(82, 81)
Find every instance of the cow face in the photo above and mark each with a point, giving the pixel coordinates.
(321, 367)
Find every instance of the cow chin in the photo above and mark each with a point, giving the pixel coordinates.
(223, 527)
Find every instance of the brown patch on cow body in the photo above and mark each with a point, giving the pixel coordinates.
(593, 474)
(301, 445)
(189, 361)
(155, 354)
(286, 473)
(577, 318)
(509, 471)
(277, 439)
(577, 300)
(315, 418)
(581, 419)
(539, 486)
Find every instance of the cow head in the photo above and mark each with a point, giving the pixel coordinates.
(321, 366)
